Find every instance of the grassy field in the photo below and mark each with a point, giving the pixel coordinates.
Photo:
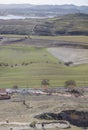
(24, 54)
(66, 38)
(27, 66)
(69, 38)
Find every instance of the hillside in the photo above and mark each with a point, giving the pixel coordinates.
(72, 24)
(41, 10)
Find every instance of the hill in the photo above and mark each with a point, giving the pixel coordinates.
(41, 10)
(72, 24)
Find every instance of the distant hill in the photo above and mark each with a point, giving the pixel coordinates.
(72, 24)
(41, 10)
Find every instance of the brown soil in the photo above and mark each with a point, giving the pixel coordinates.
(14, 110)
(74, 55)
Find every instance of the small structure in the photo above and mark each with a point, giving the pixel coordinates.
(3, 94)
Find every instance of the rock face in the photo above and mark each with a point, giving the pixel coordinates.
(78, 118)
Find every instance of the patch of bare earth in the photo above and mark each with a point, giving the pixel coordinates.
(14, 110)
(65, 54)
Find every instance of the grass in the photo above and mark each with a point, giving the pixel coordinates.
(20, 54)
(39, 65)
(75, 38)
(80, 38)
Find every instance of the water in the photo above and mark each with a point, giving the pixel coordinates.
(8, 17)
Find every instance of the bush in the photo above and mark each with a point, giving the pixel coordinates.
(15, 87)
(68, 63)
(70, 83)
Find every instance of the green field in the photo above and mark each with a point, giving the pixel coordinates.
(69, 38)
(27, 66)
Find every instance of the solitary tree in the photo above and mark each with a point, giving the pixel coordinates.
(70, 83)
(45, 83)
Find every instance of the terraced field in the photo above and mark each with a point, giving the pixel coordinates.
(26, 63)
